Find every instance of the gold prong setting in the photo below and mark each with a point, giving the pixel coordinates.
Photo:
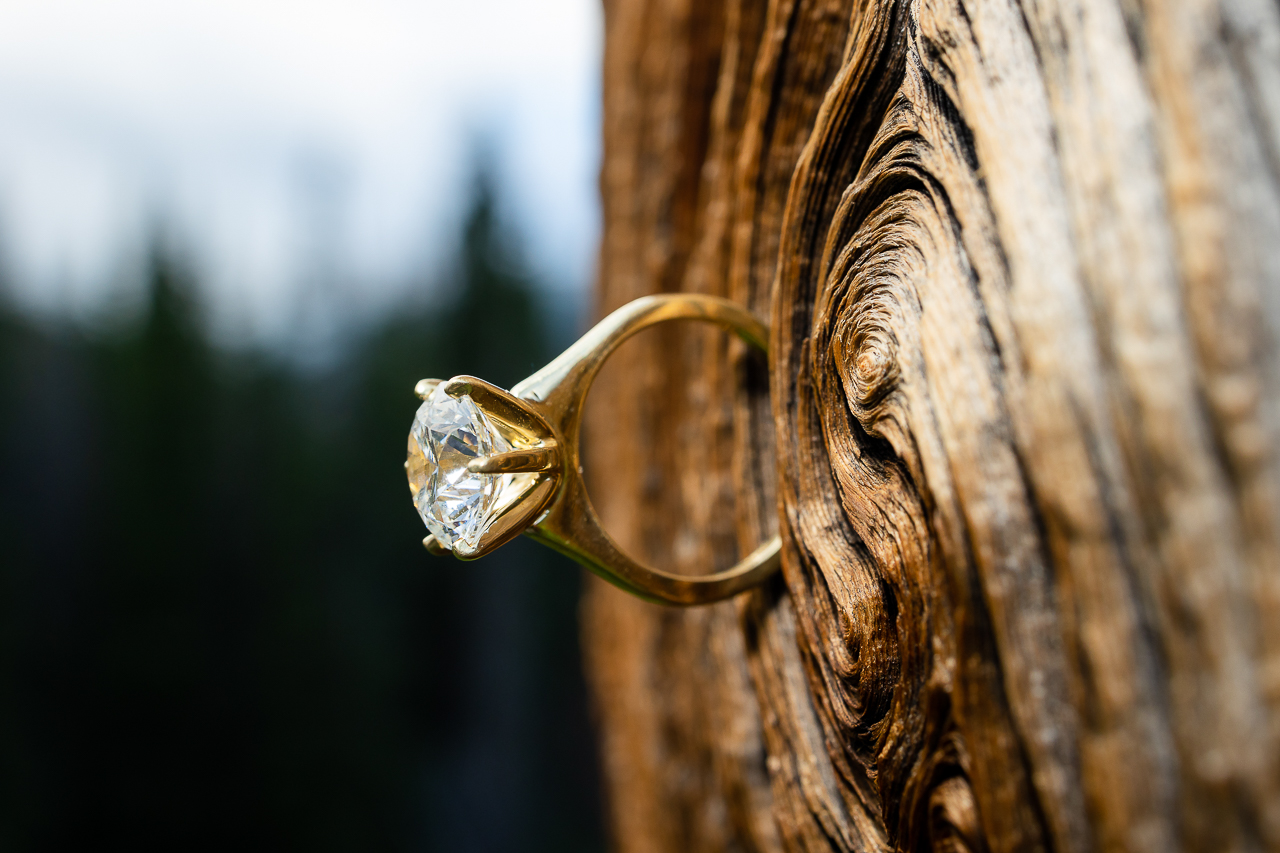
(523, 460)
(425, 388)
(480, 461)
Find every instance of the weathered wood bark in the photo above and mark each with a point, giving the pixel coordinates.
(1020, 426)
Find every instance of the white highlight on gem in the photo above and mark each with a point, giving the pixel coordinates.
(447, 434)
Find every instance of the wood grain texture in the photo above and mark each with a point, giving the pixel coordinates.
(1019, 427)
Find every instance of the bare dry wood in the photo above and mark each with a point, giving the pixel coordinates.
(1019, 427)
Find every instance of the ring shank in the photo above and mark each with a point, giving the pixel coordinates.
(571, 524)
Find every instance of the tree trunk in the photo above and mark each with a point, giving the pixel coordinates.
(1019, 426)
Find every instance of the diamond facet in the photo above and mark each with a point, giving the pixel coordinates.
(447, 434)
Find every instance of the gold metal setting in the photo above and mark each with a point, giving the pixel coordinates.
(541, 418)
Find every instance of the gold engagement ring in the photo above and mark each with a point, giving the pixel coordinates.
(486, 465)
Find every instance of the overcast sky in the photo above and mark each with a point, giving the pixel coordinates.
(278, 139)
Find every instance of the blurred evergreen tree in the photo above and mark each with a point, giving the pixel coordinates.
(219, 626)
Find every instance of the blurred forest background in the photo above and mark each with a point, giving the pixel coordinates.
(218, 626)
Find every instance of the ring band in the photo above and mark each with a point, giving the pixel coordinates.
(486, 465)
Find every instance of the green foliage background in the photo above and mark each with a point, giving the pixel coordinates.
(218, 627)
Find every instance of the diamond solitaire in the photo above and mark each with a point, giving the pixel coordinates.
(486, 465)
(448, 434)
